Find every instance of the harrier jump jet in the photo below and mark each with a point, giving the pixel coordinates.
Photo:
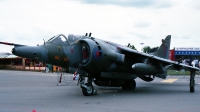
(102, 62)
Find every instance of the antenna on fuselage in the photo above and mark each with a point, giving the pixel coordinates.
(86, 34)
(44, 41)
(90, 34)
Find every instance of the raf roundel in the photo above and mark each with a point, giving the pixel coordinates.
(97, 54)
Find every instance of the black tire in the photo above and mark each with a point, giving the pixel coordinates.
(132, 85)
(125, 86)
(88, 92)
(192, 89)
(129, 85)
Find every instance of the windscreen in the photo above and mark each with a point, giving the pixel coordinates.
(59, 39)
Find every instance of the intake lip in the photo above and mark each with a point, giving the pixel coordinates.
(13, 50)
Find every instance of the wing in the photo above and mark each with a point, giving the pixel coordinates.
(160, 58)
(141, 57)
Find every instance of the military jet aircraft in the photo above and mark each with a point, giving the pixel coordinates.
(102, 62)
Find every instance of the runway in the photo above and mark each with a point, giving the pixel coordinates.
(23, 91)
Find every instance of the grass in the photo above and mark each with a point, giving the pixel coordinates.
(182, 72)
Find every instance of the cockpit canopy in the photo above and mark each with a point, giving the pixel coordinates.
(63, 40)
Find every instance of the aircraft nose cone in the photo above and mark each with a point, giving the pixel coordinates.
(13, 50)
(31, 52)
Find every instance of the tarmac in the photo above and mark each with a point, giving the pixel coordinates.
(24, 91)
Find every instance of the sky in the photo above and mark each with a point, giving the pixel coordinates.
(28, 22)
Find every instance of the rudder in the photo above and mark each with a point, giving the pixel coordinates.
(163, 50)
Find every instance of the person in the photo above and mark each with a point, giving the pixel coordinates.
(40, 64)
(196, 62)
(184, 61)
(199, 63)
(46, 69)
(52, 69)
(179, 60)
(56, 68)
(193, 63)
(50, 66)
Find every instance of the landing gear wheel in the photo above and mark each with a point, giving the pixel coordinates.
(125, 86)
(192, 89)
(89, 91)
(130, 85)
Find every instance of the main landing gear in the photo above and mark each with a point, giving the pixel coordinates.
(192, 81)
(129, 85)
(86, 85)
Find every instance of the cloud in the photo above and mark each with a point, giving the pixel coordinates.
(140, 35)
(186, 37)
(142, 25)
(132, 3)
(126, 21)
(194, 4)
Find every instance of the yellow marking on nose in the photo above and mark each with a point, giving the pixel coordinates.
(66, 59)
(169, 80)
(56, 57)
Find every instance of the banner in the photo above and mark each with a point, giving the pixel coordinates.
(187, 49)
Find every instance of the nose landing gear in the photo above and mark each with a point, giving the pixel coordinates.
(87, 89)
(86, 85)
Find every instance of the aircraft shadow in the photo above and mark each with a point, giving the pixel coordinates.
(162, 89)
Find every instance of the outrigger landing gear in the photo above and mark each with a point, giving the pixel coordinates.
(87, 87)
(192, 81)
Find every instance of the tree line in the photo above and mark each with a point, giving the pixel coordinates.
(145, 49)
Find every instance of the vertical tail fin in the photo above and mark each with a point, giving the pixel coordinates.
(163, 50)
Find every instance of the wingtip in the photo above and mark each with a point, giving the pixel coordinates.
(11, 44)
(6, 43)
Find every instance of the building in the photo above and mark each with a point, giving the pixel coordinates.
(10, 61)
(188, 53)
